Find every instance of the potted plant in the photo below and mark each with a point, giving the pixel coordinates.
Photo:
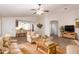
(62, 29)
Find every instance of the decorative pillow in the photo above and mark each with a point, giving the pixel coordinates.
(6, 42)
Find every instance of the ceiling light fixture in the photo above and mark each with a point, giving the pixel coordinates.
(39, 10)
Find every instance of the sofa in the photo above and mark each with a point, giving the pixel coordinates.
(9, 46)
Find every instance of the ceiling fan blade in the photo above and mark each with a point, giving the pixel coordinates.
(34, 13)
(33, 9)
(46, 10)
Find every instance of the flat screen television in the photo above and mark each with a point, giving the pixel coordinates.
(69, 28)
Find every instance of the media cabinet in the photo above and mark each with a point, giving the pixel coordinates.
(71, 35)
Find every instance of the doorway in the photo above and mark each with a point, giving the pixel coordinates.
(23, 27)
(54, 28)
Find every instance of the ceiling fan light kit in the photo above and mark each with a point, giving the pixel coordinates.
(39, 11)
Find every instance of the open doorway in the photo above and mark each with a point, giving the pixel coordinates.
(54, 28)
(23, 26)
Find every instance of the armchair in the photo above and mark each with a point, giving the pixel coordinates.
(72, 49)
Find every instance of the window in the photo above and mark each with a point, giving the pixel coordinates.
(25, 25)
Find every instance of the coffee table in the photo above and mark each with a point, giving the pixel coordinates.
(47, 46)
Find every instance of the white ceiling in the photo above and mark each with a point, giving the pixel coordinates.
(25, 9)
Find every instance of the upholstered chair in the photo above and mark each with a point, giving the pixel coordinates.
(6, 40)
(4, 50)
(72, 49)
(1, 42)
(14, 48)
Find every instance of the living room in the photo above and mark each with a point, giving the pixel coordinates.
(41, 27)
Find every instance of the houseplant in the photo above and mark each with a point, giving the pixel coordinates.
(62, 29)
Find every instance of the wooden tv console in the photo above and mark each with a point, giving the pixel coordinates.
(71, 35)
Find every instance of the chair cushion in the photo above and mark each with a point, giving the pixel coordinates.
(72, 49)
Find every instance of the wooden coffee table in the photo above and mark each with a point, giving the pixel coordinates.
(49, 47)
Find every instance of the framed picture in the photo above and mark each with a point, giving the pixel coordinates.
(77, 23)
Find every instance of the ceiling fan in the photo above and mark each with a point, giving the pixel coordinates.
(39, 10)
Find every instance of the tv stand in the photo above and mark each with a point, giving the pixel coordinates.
(71, 35)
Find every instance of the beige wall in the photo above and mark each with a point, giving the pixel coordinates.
(41, 21)
(64, 17)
